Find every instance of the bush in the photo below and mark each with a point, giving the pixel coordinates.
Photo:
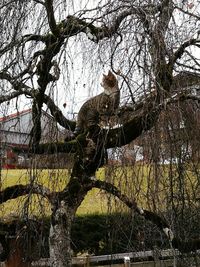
(114, 233)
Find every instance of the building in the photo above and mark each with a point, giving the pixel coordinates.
(15, 132)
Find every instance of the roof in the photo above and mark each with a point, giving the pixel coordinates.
(15, 115)
(20, 113)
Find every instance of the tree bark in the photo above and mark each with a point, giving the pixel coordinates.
(64, 207)
(59, 236)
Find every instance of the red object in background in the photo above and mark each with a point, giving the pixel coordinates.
(9, 166)
(10, 154)
(10, 160)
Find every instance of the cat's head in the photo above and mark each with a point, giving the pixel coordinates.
(109, 82)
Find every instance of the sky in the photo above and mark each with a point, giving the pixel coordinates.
(82, 69)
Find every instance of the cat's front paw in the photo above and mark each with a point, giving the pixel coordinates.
(70, 136)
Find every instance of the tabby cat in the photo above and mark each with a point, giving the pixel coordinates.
(99, 106)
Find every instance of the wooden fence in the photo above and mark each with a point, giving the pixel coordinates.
(150, 258)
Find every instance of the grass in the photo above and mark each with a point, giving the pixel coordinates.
(150, 187)
(55, 180)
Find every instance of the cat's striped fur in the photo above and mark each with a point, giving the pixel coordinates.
(100, 106)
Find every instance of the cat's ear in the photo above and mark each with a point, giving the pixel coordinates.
(104, 75)
(109, 73)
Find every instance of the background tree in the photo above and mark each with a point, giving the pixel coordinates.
(147, 43)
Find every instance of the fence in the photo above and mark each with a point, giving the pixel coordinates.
(151, 258)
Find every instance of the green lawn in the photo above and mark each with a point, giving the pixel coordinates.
(142, 183)
(56, 180)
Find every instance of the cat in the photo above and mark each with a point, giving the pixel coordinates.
(100, 106)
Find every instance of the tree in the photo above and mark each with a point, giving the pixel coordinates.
(147, 43)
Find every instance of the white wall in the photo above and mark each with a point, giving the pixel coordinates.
(17, 130)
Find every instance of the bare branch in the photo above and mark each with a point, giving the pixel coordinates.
(188, 13)
(180, 51)
(18, 86)
(186, 66)
(39, 2)
(51, 18)
(16, 191)
(131, 203)
(159, 221)
(22, 40)
(130, 130)
(185, 79)
(73, 25)
(22, 89)
(53, 148)
(12, 95)
(145, 113)
(166, 10)
(58, 115)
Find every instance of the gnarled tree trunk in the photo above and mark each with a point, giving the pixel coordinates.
(60, 236)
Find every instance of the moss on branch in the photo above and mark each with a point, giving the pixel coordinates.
(53, 148)
(130, 130)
